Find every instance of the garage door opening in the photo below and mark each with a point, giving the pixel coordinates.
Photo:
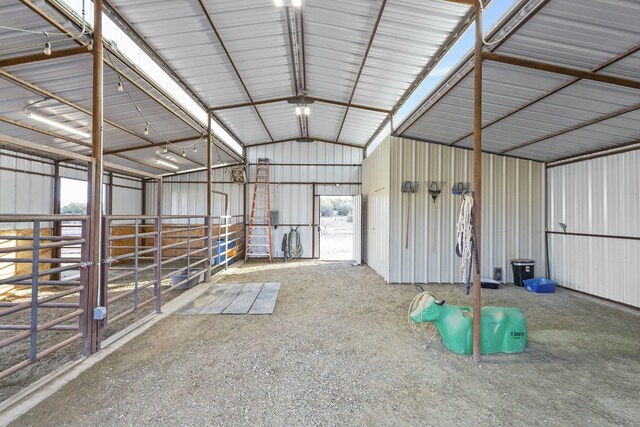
(336, 228)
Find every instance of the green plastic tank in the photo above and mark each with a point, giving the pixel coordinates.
(502, 329)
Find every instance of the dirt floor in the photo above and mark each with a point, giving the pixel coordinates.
(19, 351)
(339, 351)
(336, 238)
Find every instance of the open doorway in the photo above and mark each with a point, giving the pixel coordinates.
(336, 228)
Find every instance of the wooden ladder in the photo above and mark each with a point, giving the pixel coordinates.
(259, 235)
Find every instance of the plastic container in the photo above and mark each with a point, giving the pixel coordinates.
(195, 279)
(522, 270)
(220, 256)
(540, 285)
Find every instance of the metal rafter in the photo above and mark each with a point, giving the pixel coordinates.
(40, 56)
(233, 65)
(444, 49)
(142, 43)
(364, 60)
(286, 98)
(574, 128)
(328, 141)
(43, 92)
(74, 141)
(557, 89)
(59, 27)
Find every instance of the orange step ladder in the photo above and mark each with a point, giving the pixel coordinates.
(259, 235)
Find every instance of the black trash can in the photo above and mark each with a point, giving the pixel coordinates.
(522, 270)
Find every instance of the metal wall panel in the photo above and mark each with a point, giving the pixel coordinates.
(187, 194)
(293, 174)
(598, 196)
(23, 192)
(512, 209)
(375, 207)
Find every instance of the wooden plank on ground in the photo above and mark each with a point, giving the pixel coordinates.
(244, 300)
(224, 300)
(208, 297)
(266, 301)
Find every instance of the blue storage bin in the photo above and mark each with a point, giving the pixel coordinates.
(221, 256)
(540, 285)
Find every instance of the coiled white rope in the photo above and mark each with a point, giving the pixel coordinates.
(464, 232)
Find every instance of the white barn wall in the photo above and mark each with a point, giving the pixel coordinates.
(294, 167)
(187, 194)
(512, 212)
(22, 191)
(599, 196)
(375, 206)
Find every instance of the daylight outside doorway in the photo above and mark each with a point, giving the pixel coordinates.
(336, 227)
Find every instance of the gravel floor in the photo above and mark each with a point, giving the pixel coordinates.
(339, 351)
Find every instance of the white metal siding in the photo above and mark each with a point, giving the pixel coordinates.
(512, 212)
(375, 206)
(22, 192)
(293, 170)
(598, 196)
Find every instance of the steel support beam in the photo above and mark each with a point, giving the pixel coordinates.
(209, 198)
(328, 141)
(477, 181)
(560, 69)
(94, 207)
(362, 64)
(38, 57)
(286, 98)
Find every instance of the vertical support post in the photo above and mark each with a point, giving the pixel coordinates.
(477, 179)
(110, 195)
(57, 208)
(103, 296)
(158, 256)
(136, 250)
(84, 321)
(209, 197)
(313, 222)
(35, 269)
(95, 180)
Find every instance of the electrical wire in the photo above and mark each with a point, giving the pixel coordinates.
(46, 34)
(484, 41)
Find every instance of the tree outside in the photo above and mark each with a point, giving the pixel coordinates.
(74, 208)
(336, 206)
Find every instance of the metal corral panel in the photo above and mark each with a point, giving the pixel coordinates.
(409, 34)
(513, 212)
(375, 206)
(22, 192)
(598, 196)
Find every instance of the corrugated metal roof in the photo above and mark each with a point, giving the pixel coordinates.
(335, 39)
(581, 117)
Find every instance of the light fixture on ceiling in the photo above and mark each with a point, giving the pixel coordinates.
(47, 46)
(302, 104)
(53, 123)
(184, 153)
(305, 139)
(167, 164)
(295, 3)
(146, 129)
(165, 150)
(120, 87)
(195, 149)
